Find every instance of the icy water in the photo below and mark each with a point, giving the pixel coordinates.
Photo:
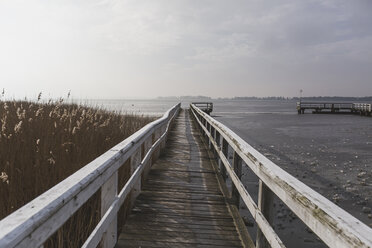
(330, 153)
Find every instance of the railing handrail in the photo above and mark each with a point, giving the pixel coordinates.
(325, 102)
(333, 225)
(25, 226)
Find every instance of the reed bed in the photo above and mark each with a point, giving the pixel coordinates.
(43, 143)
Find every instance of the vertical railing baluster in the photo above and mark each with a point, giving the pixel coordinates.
(147, 145)
(135, 161)
(163, 128)
(213, 135)
(237, 166)
(218, 141)
(109, 191)
(265, 204)
(225, 149)
(209, 139)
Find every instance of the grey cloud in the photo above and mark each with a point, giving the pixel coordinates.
(271, 47)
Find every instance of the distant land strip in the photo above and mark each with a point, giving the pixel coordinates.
(310, 98)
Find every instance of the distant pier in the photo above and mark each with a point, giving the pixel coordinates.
(335, 107)
(206, 107)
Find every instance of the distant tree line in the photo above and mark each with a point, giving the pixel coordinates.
(274, 98)
(184, 98)
(311, 98)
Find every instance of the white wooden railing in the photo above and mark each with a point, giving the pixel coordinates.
(34, 223)
(333, 225)
(364, 107)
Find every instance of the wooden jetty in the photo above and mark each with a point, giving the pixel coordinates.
(180, 198)
(206, 107)
(334, 107)
(181, 203)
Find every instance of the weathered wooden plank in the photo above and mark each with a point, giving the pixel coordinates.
(140, 227)
(171, 168)
(178, 195)
(179, 226)
(186, 212)
(186, 239)
(190, 202)
(184, 220)
(145, 243)
(170, 183)
(190, 187)
(189, 190)
(184, 235)
(195, 207)
(186, 174)
(183, 197)
(190, 216)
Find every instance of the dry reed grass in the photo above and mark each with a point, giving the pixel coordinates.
(42, 144)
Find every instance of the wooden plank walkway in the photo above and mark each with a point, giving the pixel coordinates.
(181, 204)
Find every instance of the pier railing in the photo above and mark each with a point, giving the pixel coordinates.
(334, 107)
(206, 107)
(34, 223)
(363, 107)
(330, 223)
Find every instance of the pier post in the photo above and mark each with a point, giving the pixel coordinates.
(145, 148)
(209, 141)
(215, 150)
(225, 150)
(135, 160)
(265, 204)
(162, 130)
(109, 191)
(237, 166)
(218, 141)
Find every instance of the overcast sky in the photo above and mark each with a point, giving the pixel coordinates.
(135, 48)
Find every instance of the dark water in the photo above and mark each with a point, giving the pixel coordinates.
(330, 153)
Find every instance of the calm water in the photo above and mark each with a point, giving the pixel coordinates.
(134, 106)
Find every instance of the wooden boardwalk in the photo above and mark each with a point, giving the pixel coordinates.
(181, 203)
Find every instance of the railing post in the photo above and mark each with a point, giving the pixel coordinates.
(218, 141)
(155, 137)
(146, 147)
(237, 166)
(209, 139)
(163, 128)
(265, 204)
(225, 148)
(135, 160)
(109, 191)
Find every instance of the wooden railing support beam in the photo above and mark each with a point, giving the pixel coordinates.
(225, 150)
(135, 160)
(109, 191)
(265, 204)
(237, 166)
